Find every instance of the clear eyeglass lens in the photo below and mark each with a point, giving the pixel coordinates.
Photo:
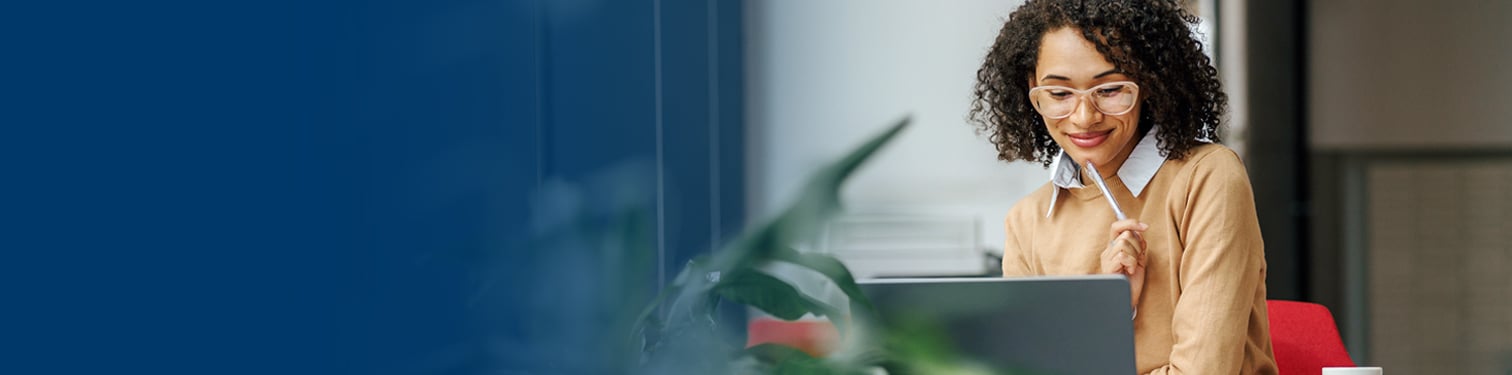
(1057, 102)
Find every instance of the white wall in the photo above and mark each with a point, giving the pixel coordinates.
(825, 75)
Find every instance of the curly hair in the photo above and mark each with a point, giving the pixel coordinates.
(1149, 40)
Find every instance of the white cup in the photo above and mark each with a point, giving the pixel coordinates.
(1351, 371)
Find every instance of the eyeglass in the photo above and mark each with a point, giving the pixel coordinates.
(1057, 102)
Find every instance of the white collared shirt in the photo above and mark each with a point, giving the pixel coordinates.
(1136, 172)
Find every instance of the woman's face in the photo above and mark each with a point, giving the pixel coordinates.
(1067, 59)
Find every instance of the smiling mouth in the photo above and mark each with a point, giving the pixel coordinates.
(1089, 139)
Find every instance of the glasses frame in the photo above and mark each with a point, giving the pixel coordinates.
(1082, 94)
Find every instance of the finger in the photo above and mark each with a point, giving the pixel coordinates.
(1112, 265)
(1128, 241)
(1117, 265)
(1144, 252)
(1112, 248)
(1126, 264)
(1126, 225)
(1133, 247)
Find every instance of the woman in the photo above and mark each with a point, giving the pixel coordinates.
(1125, 86)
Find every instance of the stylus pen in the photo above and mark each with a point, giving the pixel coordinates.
(1097, 177)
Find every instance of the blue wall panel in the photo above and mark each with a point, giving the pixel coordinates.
(352, 186)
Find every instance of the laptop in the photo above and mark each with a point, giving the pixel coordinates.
(1038, 325)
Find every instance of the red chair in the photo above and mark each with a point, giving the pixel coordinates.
(815, 337)
(1304, 338)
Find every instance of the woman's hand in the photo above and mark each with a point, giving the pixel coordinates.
(1126, 255)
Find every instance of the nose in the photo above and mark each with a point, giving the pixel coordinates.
(1085, 114)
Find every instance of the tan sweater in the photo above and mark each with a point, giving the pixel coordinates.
(1202, 310)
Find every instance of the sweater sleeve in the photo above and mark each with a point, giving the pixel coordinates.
(1222, 265)
(1015, 248)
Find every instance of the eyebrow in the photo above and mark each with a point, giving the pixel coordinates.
(1063, 78)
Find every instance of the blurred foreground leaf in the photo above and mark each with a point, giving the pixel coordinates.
(773, 296)
(687, 306)
(785, 360)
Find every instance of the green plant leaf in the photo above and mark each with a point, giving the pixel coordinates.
(676, 306)
(862, 320)
(772, 353)
(771, 295)
(834, 270)
(688, 301)
(820, 197)
(817, 202)
(785, 360)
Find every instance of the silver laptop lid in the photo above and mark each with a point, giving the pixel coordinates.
(1040, 325)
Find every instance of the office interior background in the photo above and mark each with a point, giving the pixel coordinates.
(1377, 153)
(363, 187)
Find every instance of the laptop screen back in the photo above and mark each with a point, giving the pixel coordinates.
(1040, 325)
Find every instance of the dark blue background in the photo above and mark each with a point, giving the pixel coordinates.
(322, 187)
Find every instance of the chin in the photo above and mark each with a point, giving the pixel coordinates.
(1082, 158)
(1101, 159)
